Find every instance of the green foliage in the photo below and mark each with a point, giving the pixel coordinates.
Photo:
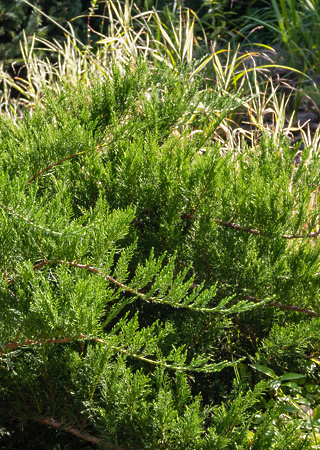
(294, 25)
(139, 259)
(18, 19)
(14, 21)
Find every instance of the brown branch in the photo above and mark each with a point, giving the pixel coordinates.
(46, 169)
(38, 266)
(262, 233)
(285, 347)
(14, 345)
(75, 431)
(295, 308)
(238, 227)
(208, 268)
(251, 298)
(92, 270)
(249, 334)
(281, 306)
(251, 230)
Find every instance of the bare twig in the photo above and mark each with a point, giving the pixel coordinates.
(75, 431)
(262, 233)
(50, 388)
(65, 340)
(295, 308)
(309, 312)
(46, 169)
(250, 334)
(238, 227)
(251, 230)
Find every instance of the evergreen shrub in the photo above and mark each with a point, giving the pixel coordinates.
(147, 272)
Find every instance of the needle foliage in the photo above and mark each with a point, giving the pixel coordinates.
(142, 265)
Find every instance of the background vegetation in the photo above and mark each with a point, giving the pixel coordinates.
(159, 175)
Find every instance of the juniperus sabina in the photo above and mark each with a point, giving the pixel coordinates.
(144, 268)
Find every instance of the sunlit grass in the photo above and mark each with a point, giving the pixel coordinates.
(174, 40)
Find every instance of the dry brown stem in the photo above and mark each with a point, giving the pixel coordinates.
(75, 431)
(309, 312)
(262, 233)
(46, 169)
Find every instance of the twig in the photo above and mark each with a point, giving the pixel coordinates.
(155, 300)
(46, 169)
(238, 227)
(67, 340)
(50, 388)
(126, 288)
(11, 211)
(281, 306)
(15, 344)
(262, 233)
(249, 334)
(80, 434)
(295, 308)
(251, 298)
(251, 230)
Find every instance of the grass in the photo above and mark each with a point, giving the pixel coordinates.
(294, 25)
(176, 39)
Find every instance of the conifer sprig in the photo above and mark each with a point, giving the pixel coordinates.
(177, 290)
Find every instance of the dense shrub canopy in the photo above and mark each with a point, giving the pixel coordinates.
(139, 259)
(158, 229)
